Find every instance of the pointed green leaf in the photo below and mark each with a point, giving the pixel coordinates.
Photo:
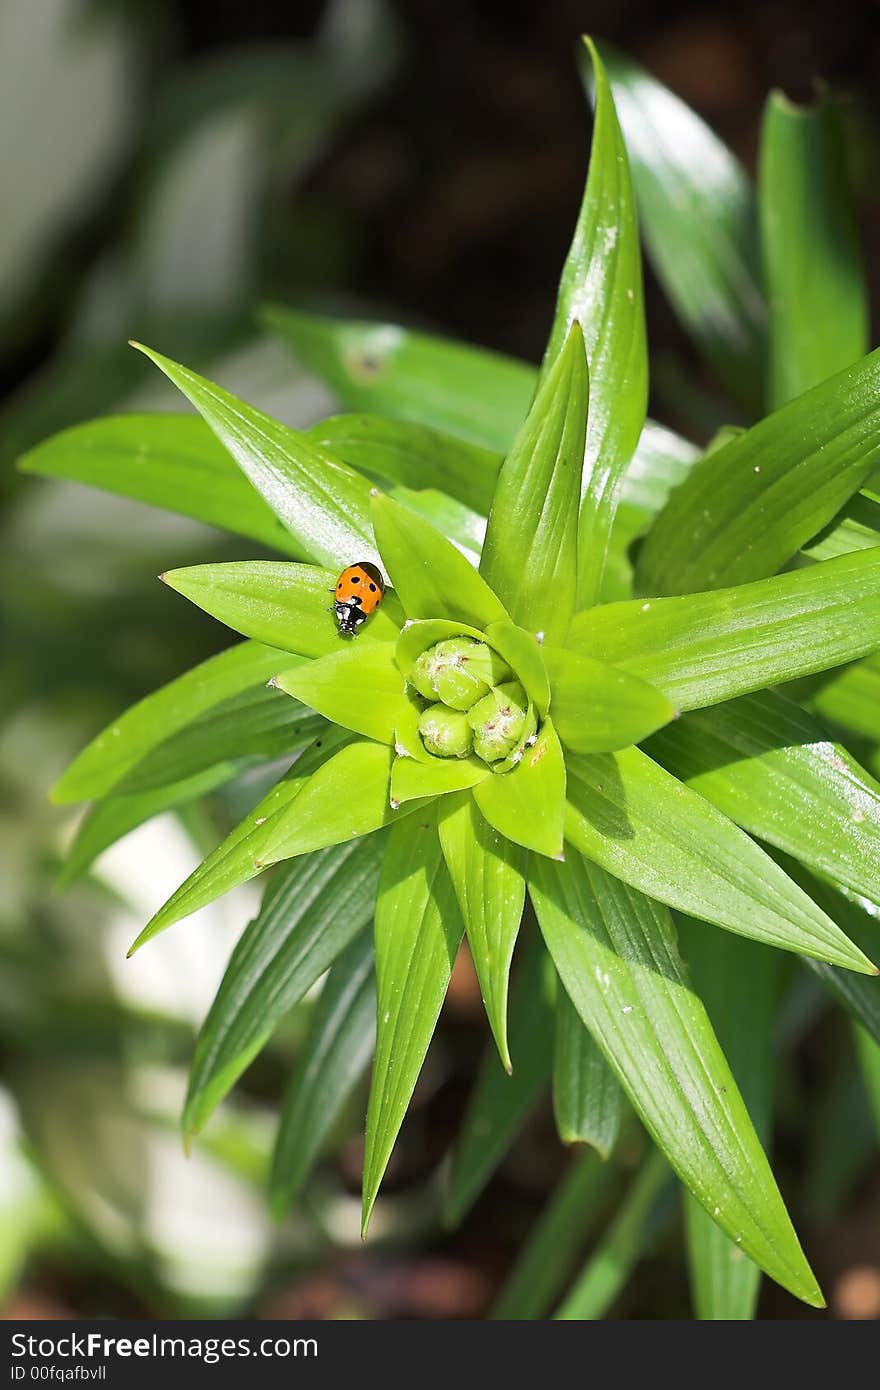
(698, 218)
(359, 687)
(324, 504)
(601, 288)
(109, 820)
(545, 1261)
(414, 777)
(851, 698)
(745, 509)
(644, 1214)
(703, 648)
(290, 606)
(535, 506)
(635, 820)
(635, 1224)
(812, 265)
(856, 527)
(127, 741)
(218, 745)
(418, 930)
(431, 578)
(231, 862)
(528, 804)
(332, 1060)
(347, 796)
(471, 392)
(255, 725)
(661, 463)
(451, 518)
(328, 801)
(859, 995)
(522, 653)
(417, 456)
(311, 911)
(487, 875)
(500, 1104)
(617, 955)
(597, 708)
(737, 981)
(767, 764)
(587, 1099)
(170, 461)
(463, 391)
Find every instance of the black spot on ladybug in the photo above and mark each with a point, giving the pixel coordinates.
(372, 588)
(355, 579)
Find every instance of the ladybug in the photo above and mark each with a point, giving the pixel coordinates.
(359, 591)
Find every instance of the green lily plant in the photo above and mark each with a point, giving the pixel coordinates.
(543, 730)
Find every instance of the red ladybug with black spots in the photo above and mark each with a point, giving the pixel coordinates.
(358, 593)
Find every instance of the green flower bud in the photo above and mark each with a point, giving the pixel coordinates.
(445, 732)
(527, 736)
(458, 671)
(499, 721)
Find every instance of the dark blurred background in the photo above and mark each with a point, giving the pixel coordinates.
(165, 165)
(449, 196)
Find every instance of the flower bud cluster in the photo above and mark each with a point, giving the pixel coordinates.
(476, 703)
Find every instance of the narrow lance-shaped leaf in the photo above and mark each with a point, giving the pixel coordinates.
(744, 510)
(597, 707)
(333, 1058)
(231, 862)
(636, 1223)
(323, 503)
(170, 461)
(528, 804)
(535, 508)
(465, 528)
(258, 724)
(289, 606)
(500, 1104)
(699, 221)
(770, 766)
(418, 930)
(125, 742)
(429, 776)
(480, 395)
(311, 911)
(359, 687)
(737, 981)
(601, 288)
(587, 1099)
(109, 820)
(487, 874)
(700, 649)
(545, 1261)
(415, 456)
(859, 995)
(628, 815)
(344, 797)
(812, 265)
(616, 953)
(431, 578)
(850, 699)
(660, 463)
